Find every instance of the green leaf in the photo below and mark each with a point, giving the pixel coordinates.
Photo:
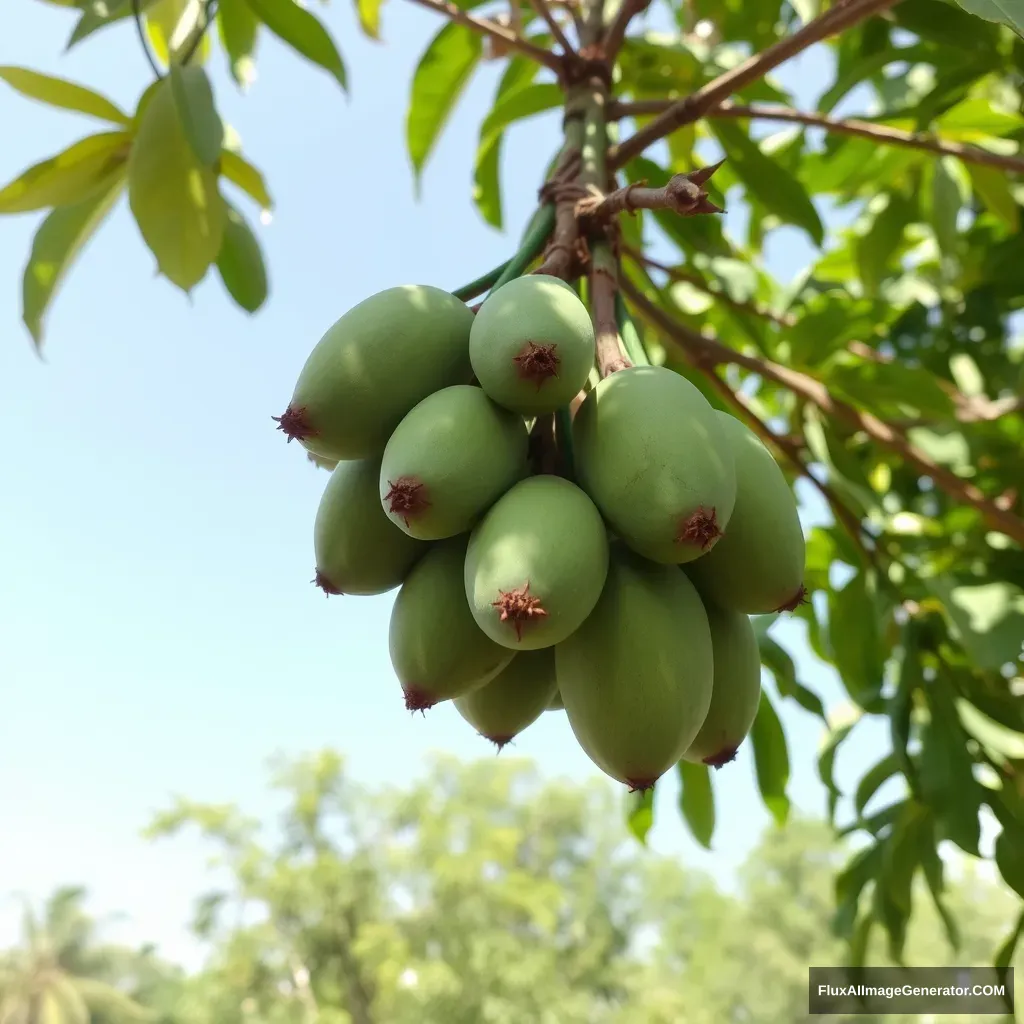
(781, 666)
(993, 187)
(1003, 12)
(855, 638)
(873, 780)
(240, 263)
(369, 16)
(884, 386)
(1008, 743)
(238, 28)
(70, 177)
(944, 203)
(98, 14)
(640, 813)
(171, 27)
(236, 169)
(173, 197)
(303, 32)
(55, 247)
(934, 873)
(58, 92)
(697, 801)
(826, 765)
(901, 704)
(987, 619)
(771, 760)
(877, 247)
(766, 181)
(1010, 862)
(946, 771)
(193, 96)
(1005, 954)
(862, 868)
(440, 79)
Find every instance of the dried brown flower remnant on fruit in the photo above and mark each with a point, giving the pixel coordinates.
(418, 700)
(799, 598)
(325, 584)
(537, 363)
(722, 758)
(407, 497)
(294, 424)
(640, 785)
(700, 528)
(519, 607)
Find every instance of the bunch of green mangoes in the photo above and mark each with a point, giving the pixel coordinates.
(622, 597)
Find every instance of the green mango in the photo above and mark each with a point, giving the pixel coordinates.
(651, 453)
(449, 460)
(636, 677)
(758, 566)
(536, 564)
(437, 650)
(515, 698)
(358, 549)
(373, 365)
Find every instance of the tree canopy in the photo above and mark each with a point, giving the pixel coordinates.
(887, 376)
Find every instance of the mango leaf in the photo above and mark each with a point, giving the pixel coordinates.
(899, 865)
(70, 177)
(1008, 743)
(826, 765)
(57, 92)
(855, 636)
(55, 247)
(771, 760)
(240, 262)
(238, 28)
(440, 79)
(697, 801)
(766, 181)
(98, 14)
(873, 780)
(1010, 862)
(883, 386)
(943, 203)
(1004, 955)
(863, 867)
(987, 619)
(901, 704)
(171, 27)
(877, 246)
(240, 172)
(174, 197)
(193, 96)
(640, 813)
(781, 666)
(303, 32)
(934, 873)
(368, 12)
(1003, 12)
(946, 771)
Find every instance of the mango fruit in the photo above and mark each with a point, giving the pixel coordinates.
(515, 698)
(651, 452)
(436, 648)
(758, 566)
(555, 704)
(358, 549)
(373, 365)
(735, 692)
(532, 344)
(636, 677)
(449, 460)
(536, 564)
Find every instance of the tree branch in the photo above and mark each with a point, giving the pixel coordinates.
(615, 35)
(683, 194)
(678, 274)
(489, 28)
(710, 352)
(544, 10)
(563, 191)
(843, 15)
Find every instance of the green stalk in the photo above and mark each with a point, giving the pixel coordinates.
(630, 335)
(533, 244)
(481, 284)
(563, 438)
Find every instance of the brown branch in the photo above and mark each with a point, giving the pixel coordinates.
(711, 352)
(875, 132)
(685, 111)
(543, 8)
(678, 274)
(603, 286)
(560, 255)
(683, 194)
(615, 35)
(494, 31)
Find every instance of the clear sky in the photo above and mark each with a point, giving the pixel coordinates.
(158, 631)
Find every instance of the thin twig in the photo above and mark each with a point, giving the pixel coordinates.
(711, 352)
(678, 274)
(683, 194)
(209, 13)
(696, 105)
(544, 10)
(140, 28)
(615, 36)
(561, 189)
(489, 28)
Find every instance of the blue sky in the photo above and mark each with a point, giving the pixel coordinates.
(158, 631)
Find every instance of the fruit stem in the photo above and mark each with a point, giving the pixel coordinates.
(533, 245)
(481, 284)
(631, 340)
(563, 436)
